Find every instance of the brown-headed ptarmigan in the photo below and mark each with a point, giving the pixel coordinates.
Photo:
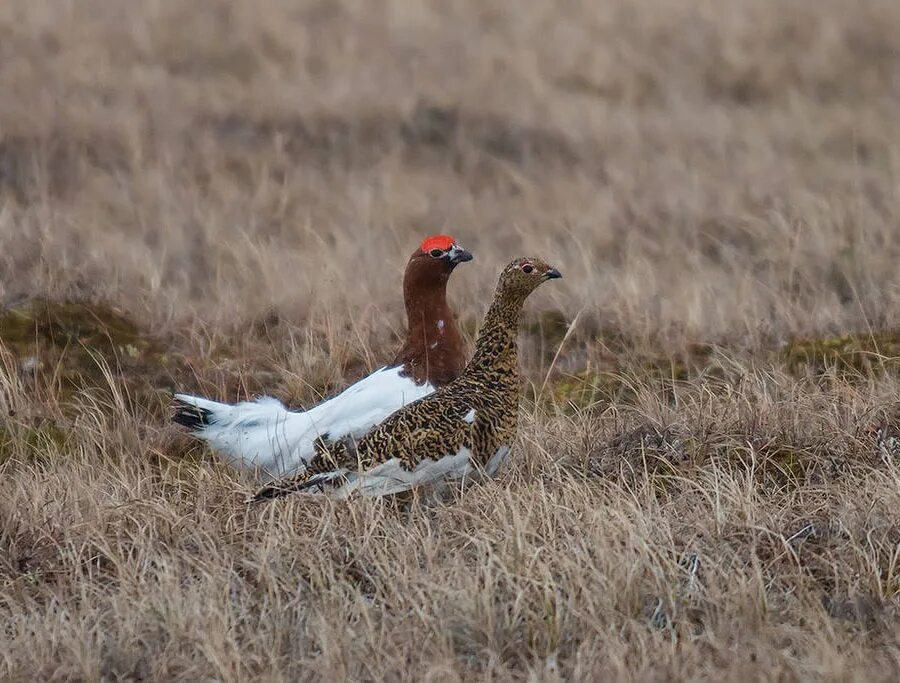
(266, 437)
(463, 430)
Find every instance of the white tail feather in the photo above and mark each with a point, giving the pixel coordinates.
(264, 436)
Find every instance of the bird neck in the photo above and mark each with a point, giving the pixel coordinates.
(496, 346)
(434, 350)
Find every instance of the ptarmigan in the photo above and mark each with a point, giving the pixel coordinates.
(462, 430)
(264, 436)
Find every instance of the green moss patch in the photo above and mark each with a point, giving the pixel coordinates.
(864, 354)
(75, 344)
(620, 374)
(550, 326)
(36, 443)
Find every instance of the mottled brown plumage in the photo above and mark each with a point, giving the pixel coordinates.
(266, 437)
(463, 427)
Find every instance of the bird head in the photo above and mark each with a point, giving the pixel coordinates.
(521, 277)
(435, 259)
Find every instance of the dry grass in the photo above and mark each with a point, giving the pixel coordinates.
(689, 498)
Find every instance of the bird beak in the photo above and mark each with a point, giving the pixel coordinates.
(459, 255)
(552, 274)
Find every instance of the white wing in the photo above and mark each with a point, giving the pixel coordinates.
(265, 436)
(389, 477)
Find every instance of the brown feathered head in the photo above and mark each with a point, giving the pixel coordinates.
(521, 277)
(431, 264)
(434, 350)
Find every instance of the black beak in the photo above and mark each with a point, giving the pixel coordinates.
(459, 255)
(552, 274)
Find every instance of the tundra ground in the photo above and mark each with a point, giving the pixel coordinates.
(221, 197)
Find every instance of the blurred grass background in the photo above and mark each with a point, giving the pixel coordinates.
(221, 196)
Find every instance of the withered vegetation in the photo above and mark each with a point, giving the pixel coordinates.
(220, 197)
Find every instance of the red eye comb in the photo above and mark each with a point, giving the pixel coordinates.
(442, 242)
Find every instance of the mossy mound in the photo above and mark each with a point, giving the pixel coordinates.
(78, 345)
(863, 354)
(586, 388)
(782, 461)
(550, 326)
(32, 443)
(622, 373)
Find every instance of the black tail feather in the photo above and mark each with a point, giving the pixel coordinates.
(296, 485)
(190, 416)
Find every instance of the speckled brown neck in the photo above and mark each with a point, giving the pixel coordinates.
(496, 349)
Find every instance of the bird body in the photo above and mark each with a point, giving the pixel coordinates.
(464, 429)
(265, 436)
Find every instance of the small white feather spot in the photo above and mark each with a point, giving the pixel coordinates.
(470, 416)
(440, 324)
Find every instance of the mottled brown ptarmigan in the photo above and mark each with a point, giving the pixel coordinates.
(461, 431)
(266, 437)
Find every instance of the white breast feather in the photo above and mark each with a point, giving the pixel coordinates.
(390, 478)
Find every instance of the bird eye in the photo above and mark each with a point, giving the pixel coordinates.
(436, 253)
(527, 268)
